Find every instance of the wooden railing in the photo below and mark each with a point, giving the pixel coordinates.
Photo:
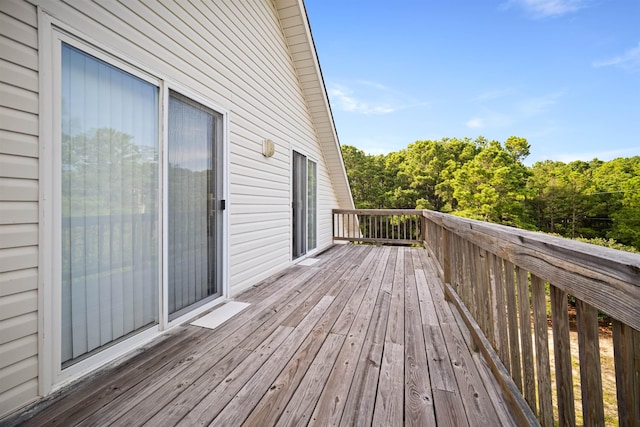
(527, 299)
(380, 226)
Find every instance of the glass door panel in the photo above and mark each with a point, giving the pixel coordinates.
(299, 205)
(194, 215)
(109, 205)
(312, 205)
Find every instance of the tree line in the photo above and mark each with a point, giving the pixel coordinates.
(488, 180)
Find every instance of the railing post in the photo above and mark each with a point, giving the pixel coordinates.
(333, 225)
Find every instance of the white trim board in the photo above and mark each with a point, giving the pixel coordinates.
(220, 315)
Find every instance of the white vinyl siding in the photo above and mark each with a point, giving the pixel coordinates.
(18, 204)
(236, 55)
(232, 54)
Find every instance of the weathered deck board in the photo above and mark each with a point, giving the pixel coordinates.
(472, 390)
(389, 405)
(187, 373)
(364, 337)
(418, 397)
(353, 323)
(361, 400)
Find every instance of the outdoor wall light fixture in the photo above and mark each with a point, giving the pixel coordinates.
(268, 148)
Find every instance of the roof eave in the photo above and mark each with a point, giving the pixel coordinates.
(297, 31)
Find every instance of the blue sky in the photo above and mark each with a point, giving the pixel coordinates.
(564, 74)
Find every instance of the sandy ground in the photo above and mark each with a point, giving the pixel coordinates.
(607, 370)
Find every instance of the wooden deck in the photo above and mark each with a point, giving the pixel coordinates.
(362, 337)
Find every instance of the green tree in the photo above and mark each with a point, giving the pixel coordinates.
(368, 176)
(617, 189)
(491, 187)
(430, 166)
(578, 176)
(546, 189)
(487, 180)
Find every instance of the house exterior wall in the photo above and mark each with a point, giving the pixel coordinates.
(234, 54)
(18, 204)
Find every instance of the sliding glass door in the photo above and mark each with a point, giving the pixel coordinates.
(194, 206)
(110, 206)
(304, 205)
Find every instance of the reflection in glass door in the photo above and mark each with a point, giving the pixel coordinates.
(108, 205)
(194, 204)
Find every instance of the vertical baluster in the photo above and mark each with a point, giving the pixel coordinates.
(543, 369)
(403, 218)
(480, 293)
(457, 256)
(487, 296)
(471, 288)
(345, 225)
(500, 323)
(386, 229)
(446, 260)
(512, 317)
(525, 338)
(562, 355)
(412, 228)
(626, 347)
(476, 284)
(374, 231)
(590, 371)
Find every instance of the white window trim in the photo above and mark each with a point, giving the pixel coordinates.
(51, 32)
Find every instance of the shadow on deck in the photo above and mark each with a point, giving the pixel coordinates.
(362, 337)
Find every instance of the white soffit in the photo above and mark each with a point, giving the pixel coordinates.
(295, 24)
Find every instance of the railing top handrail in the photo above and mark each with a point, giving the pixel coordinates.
(379, 211)
(621, 264)
(606, 278)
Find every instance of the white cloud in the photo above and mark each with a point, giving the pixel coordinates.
(475, 123)
(492, 95)
(538, 105)
(375, 99)
(490, 119)
(346, 101)
(378, 144)
(546, 8)
(605, 155)
(629, 60)
(504, 114)
(375, 85)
